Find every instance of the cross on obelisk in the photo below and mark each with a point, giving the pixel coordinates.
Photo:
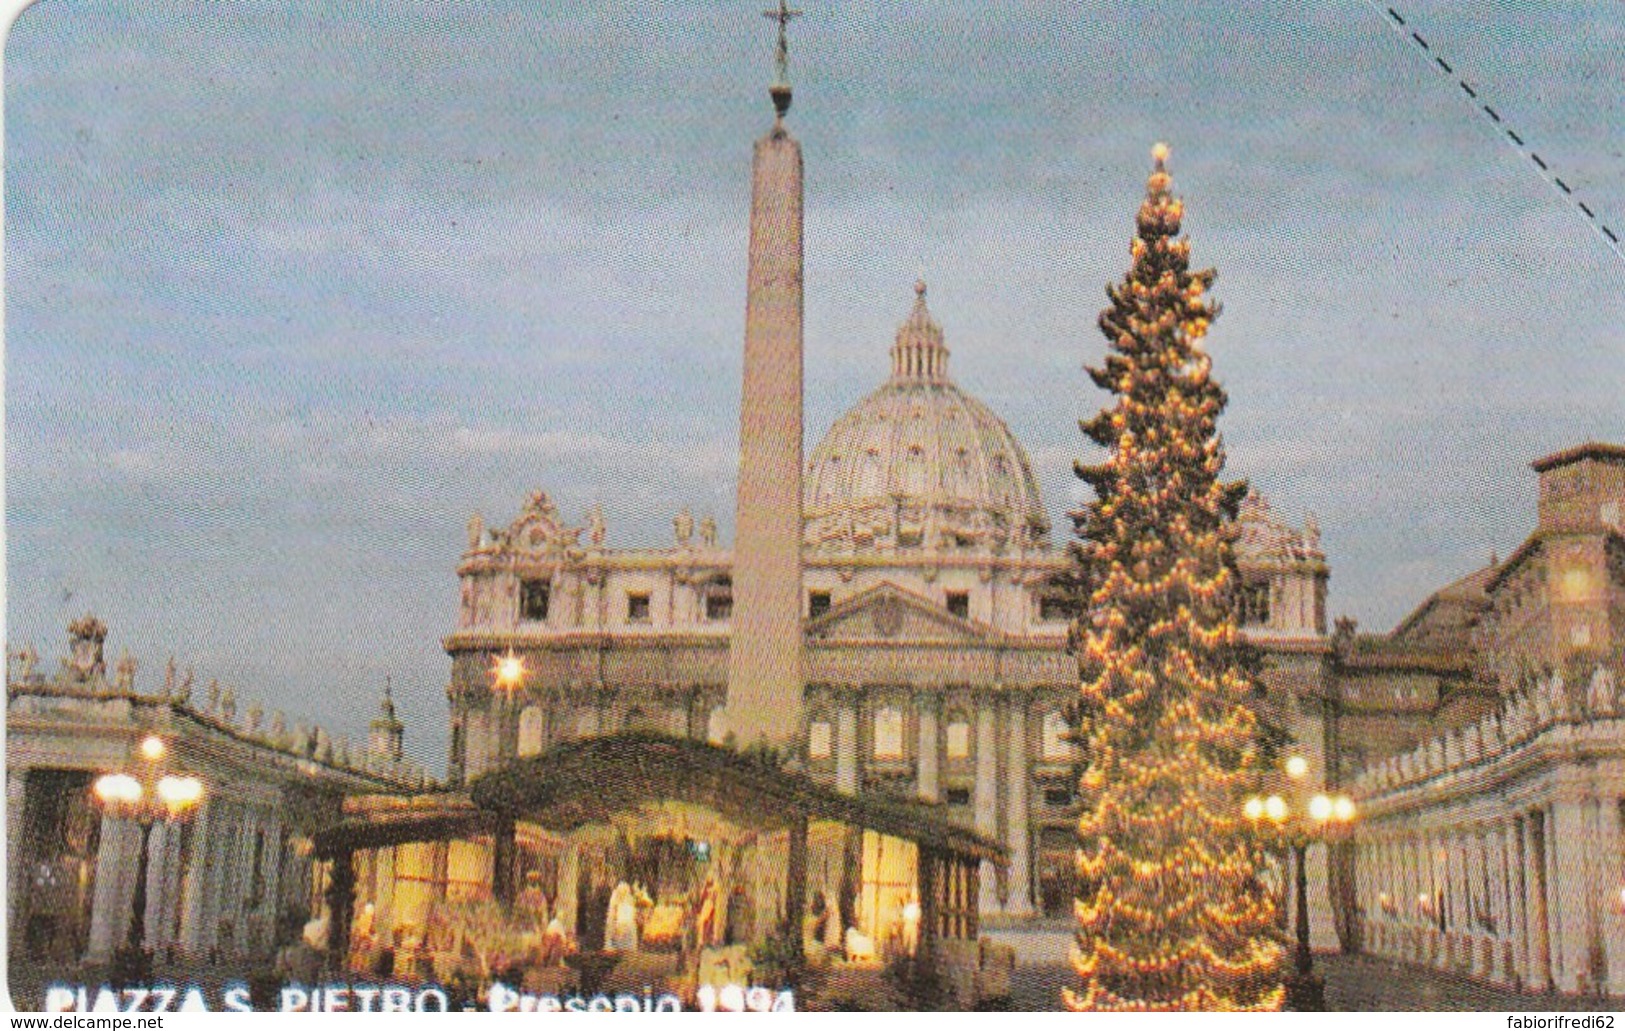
(781, 83)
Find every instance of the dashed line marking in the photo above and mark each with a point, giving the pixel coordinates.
(1512, 136)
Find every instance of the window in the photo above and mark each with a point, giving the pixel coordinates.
(958, 738)
(817, 603)
(719, 599)
(959, 604)
(1057, 741)
(1255, 604)
(533, 599)
(818, 740)
(958, 796)
(532, 730)
(637, 607)
(716, 725)
(1058, 796)
(1056, 607)
(889, 733)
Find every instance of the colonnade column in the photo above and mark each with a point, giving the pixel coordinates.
(987, 791)
(1517, 899)
(930, 748)
(193, 900)
(115, 876)
(17, 844)
(1534, 865)
(1611, 850)
(1018, 899)
(1567, 843)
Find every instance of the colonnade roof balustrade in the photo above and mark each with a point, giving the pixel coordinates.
(1574, 715)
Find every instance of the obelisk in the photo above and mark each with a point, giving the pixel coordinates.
(764, 660)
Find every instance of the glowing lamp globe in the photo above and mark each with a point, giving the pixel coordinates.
(118, 789)
(1254, 809)
(1275, 808)
(509, 670)
(153, 748)
(178, 794)
(1320, 808)
(1343, 809)
(1297, 766)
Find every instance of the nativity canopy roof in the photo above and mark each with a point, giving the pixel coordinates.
(591, 780)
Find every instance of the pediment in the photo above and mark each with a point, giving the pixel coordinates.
(890, 613)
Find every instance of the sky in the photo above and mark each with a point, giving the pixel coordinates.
(292, 289)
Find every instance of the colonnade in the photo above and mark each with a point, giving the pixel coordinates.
(1528, 893)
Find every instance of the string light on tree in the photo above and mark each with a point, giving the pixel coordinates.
(1172, 912)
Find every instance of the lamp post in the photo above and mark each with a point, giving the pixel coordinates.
(148, 797)
(1298, 824)
(508, 678)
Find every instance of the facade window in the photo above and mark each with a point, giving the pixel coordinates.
(637, 607)
(716, 725)
(533, 598)
(889, 733)
(1056, 607)
(818, 740)
(1057, 745)
(532, 730)
(817, 603)
(1255, 604)
(587, 723)
(958, 736)
(719, 599)
(959, 604)
(958, 796)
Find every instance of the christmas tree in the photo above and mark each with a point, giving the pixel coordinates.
(1172, 914)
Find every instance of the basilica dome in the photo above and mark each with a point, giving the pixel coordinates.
(919, 463)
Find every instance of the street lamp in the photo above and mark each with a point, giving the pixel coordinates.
(1320, 817)
(507, 683)
(148, 797)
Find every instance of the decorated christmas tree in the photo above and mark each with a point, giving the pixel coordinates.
(1172, 914)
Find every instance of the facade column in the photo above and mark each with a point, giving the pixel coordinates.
(1019, 895)
(846, 744)
(987, 791)
(926, 704)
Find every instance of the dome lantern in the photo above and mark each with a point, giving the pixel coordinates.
(919, 355)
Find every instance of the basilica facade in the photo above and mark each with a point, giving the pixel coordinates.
(935, 626)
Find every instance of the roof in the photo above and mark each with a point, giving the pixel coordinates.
(1590, 449)
(1467, 594)
(587, 781)
(379, 822)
